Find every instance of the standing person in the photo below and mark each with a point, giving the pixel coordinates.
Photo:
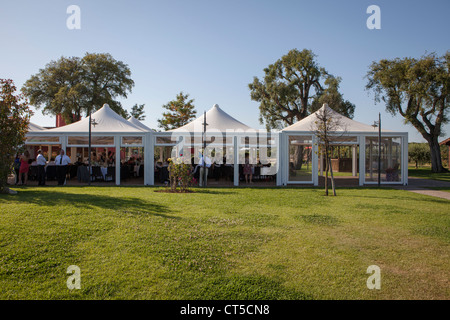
(204, 167)
(24, 167)
(247, 170)
(41, 162)
(61, 162)
(17, 168)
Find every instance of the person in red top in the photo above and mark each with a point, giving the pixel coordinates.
(247, 170)
(24, 167)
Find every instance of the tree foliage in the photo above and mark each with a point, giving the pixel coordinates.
(418, 90)
(419, 153)
(179, 112)
(333, 98)
(14, 119)
(72, 86)
(288, 86)
(137, 111)
(292, 88)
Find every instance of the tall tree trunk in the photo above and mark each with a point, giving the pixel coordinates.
(326, 170)
(298, 157)
(332, 177)
(435, 150)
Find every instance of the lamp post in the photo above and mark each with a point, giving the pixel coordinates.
(378, 124)
(204, 148)
(91, 122)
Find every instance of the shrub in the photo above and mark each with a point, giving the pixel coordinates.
(179, 175)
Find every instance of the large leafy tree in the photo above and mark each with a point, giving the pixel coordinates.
(333, 98)
(288, 87)
(179, 112)
(106, 79)
(58, 88)
(73, 86)
(418, 90)
(14, 119)
(292, 88)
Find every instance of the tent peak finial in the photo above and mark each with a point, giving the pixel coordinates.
(216, 106)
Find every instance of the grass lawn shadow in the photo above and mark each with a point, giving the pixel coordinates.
(53, 197)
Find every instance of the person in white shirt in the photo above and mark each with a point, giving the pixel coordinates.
(41, 162)
(61, 162)
(204, 170)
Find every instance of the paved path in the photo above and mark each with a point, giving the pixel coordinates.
(423, 186)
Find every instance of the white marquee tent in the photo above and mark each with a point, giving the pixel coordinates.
(217, 121)
(230, 139)
(139, 124)
(32, 127)
(227, 140)
(108, 130)
(394, 145)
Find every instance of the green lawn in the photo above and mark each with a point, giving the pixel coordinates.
(240, 243)
(425, 173)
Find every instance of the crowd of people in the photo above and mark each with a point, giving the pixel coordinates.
(205, 168)
(201, 170)
(38, 168)
(23, 162)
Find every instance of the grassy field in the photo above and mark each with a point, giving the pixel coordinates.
(240, 243)
(425, 173)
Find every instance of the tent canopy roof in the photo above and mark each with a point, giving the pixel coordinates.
(346, 124)
(107, 121)
(217, 120)
(34, 127)
(139, 124)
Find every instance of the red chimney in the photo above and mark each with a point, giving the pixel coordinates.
(60, 122)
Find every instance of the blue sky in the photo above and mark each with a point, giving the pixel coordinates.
(213, 49)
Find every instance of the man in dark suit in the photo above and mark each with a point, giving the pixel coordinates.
(61, 161)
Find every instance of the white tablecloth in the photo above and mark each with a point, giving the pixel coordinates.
(104, 171)
(268, 171)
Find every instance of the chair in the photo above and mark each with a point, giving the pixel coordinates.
(164, 174)
(257, 173)
(97, 173)
(51, 173)
(110, 174)
(32, 173)
(73, 169)
(130, 170)
(124, 172)
(83, 174)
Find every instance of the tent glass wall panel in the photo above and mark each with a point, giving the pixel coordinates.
(390, 160)
(95, 140)
(300, 159)
(41, 139)
(132, 165)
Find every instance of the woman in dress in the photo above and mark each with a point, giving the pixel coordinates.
(24, 167)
